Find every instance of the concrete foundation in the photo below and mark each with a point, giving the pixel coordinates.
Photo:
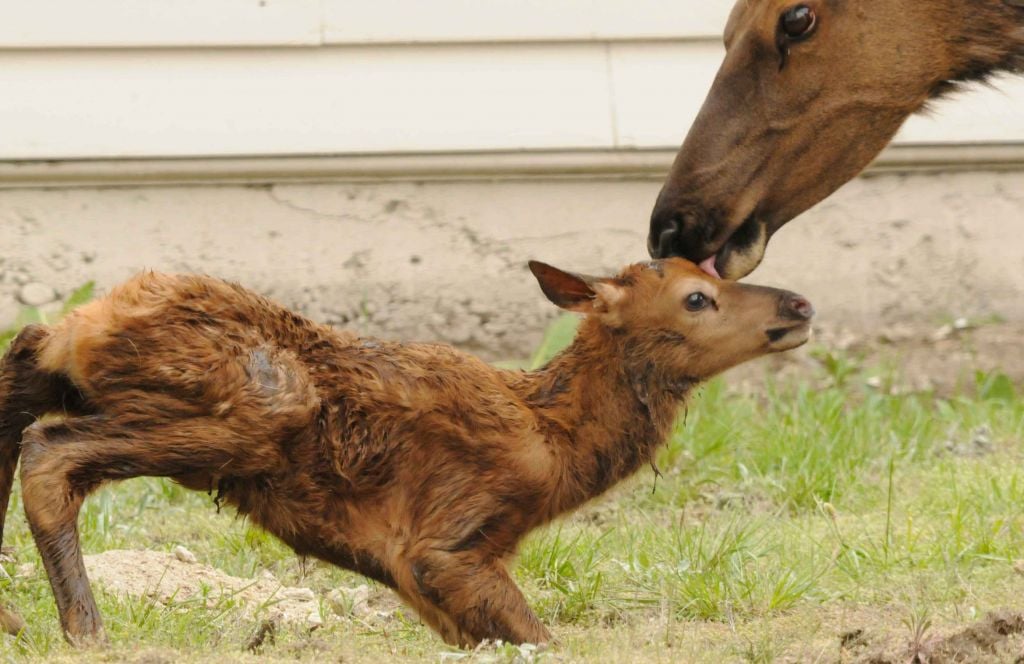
(447, 260)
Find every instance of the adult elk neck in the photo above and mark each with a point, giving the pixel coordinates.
(604, 407)
(989, 38)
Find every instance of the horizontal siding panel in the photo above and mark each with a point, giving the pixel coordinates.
(182, 23)
(387, 99)
(660, 87)
(158, 23)
(318, 101)
(349, 21)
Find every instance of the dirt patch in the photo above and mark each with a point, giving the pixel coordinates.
(943, 359)
(174, 580)
(177, 580)
(997, 638)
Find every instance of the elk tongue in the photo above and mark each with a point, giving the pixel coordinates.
(708, 265)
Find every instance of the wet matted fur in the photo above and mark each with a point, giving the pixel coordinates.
(416, 465)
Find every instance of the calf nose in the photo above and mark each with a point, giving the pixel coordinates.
(795, 307)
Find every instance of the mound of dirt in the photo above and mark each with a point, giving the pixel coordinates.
(997, 638)
(175, 579)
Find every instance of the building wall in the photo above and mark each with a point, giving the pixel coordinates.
(189, 78)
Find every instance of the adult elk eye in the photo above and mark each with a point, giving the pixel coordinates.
(696, 301)
(797, 23)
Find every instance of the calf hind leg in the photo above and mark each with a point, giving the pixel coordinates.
(26, 393)
(63, 461)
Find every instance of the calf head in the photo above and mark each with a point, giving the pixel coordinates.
(672, 315)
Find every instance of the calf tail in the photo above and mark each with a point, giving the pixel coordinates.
(26, 394)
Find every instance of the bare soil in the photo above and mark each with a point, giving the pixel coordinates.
(942, 358)
(997, 638)
(176, 581)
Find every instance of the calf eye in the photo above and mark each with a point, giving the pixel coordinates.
(798, 22)
(696, 301)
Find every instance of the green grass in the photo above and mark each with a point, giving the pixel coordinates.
(781, 519)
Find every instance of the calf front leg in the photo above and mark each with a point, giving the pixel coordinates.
(468, 598)
(63, 461)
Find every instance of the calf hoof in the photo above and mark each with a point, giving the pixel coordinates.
(86, 632)
(11, 622)
(85, 641)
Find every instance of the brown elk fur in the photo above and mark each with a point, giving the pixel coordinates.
(416, 465)
(787, 122)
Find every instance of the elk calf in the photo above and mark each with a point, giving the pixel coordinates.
(416, 465)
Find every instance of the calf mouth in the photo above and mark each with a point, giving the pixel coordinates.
(787, 337)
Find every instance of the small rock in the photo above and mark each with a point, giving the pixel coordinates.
(845, 340)
(896, 333)
(923, 384)
(961, 324)
(59, 262)
(300, 594)
(982, 437)
(184, 555)
(852, 639)
(25, 571)
(35, 294)
(338, 602)
(1018, 567)
(874, 381)
(350, 601)
(267, 632)
(314, 621)
(387, 615)
(944, 332)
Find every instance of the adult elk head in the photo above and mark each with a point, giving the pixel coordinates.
(810, 91)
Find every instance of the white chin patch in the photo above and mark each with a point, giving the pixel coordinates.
(742, 262)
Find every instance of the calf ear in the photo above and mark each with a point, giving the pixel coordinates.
(575, 292)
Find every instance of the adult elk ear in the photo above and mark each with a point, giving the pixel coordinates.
(576, 292)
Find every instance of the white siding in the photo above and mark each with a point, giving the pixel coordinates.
(244, 102)
(155, 78)
(660, 87)
(149, 23)
(354, 21)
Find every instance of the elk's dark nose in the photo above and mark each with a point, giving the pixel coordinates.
(663, 238)
(795, 307)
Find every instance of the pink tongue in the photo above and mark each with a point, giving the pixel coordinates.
(708, 265)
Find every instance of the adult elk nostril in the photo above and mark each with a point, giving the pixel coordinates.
(663, 236)
(796, 307)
